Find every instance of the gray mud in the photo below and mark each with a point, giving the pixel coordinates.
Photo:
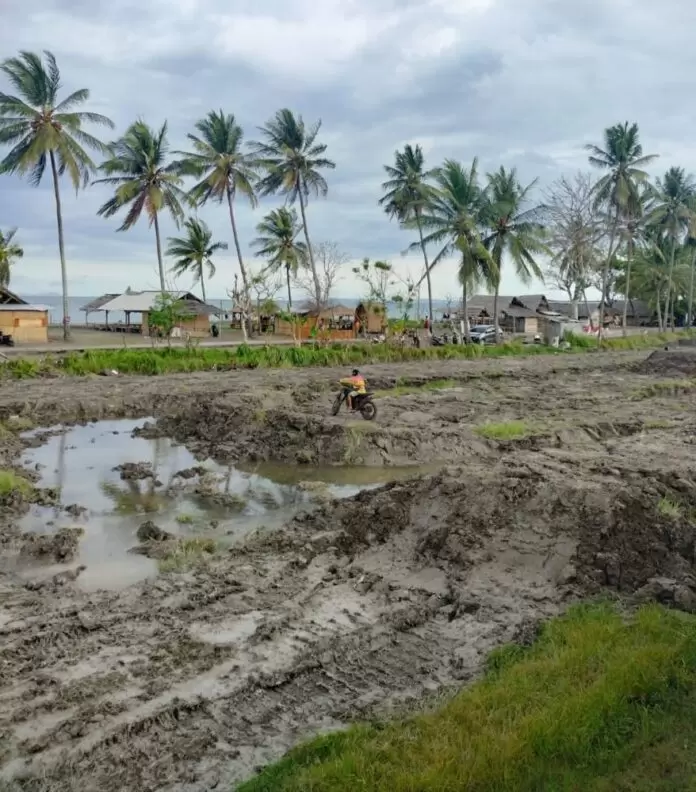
(361, 605)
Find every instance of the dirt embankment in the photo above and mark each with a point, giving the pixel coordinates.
(188, 682)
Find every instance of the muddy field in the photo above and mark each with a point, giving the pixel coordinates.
(357, 606)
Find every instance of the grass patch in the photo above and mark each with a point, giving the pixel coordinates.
(404, 389)
(186, 554)
(185, 519)
(659, 424)
(11, 483)
(670, 508)
(599, 703)
(172, 360)
(508, 430)
(670, 387)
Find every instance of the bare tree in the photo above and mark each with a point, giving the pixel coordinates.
(241, 303)
(329, 260)
(576, 229)
(379, 278)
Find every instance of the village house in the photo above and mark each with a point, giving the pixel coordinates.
(25, 323)
(195, 313)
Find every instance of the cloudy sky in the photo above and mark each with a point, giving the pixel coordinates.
(517, 83)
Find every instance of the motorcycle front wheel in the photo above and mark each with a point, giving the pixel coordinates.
(336, 406)
(368, 411)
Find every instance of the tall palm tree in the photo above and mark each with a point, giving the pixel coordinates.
(452, 220)
(618, 191)
(674, 214)
(9, 251)
(634, 229)
(223, 168)
(407, 193)
(45, 130)
(194, 252)
(293, 161)
(144, 180)
(277, 242)
(512, 229)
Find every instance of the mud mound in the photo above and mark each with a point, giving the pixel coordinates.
(670, 362)
(59, 547)
(623, 534)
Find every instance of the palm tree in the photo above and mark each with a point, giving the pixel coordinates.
(634, 227)
(144, 180)
(223, 168)
(407, 193)
(293, 159)
(194, 252)
(43, 130)
(674, 214)
(623, 158)
(452, 219)
(277, 241)
(9, 250)
(512, 229)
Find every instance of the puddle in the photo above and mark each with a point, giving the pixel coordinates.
(81, 461)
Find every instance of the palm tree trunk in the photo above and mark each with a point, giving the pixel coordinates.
(202, 277)
(312, 264)
(287, 274)
(427, 273)
(668, 298)
(61, 250)
(495, 306)
(691, 291)
(605, 274)
(467, 333)
(242, 268)
(160, 264)
(659, 310)
(629, 258)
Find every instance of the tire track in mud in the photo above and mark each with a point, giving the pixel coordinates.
(189, 682)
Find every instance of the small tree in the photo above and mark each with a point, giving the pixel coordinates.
(166, 313)
(329, 259)
(9, 252)
(241, 302)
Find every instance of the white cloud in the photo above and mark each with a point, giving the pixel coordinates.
(523, 84)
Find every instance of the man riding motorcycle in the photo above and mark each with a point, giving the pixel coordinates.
(355, 385)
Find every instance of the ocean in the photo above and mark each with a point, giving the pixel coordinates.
(77, 316)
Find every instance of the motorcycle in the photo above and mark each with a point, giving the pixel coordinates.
(362, 403)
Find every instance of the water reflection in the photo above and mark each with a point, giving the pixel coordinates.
(224, 503)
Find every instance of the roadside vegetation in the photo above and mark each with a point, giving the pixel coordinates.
(601, 702)
(170, 360)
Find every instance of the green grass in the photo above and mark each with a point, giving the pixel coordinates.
(667, 387)
(668, 507)
(186, 554)
(176, 359)
(508, 430)
(185, 519)
(10, 483)
(599, 703)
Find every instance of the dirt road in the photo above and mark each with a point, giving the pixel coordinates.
(190, 681)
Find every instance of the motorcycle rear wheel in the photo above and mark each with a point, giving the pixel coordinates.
(368, 411)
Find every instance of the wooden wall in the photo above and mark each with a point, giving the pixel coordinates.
(196, 326)
(304, 332)
(25, 327)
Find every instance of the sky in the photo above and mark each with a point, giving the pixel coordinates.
(522, 84)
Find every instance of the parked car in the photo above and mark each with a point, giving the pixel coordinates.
(484, 334)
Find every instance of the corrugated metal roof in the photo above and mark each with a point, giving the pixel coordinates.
(98, 302)
(139, 302)
(24, 307)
